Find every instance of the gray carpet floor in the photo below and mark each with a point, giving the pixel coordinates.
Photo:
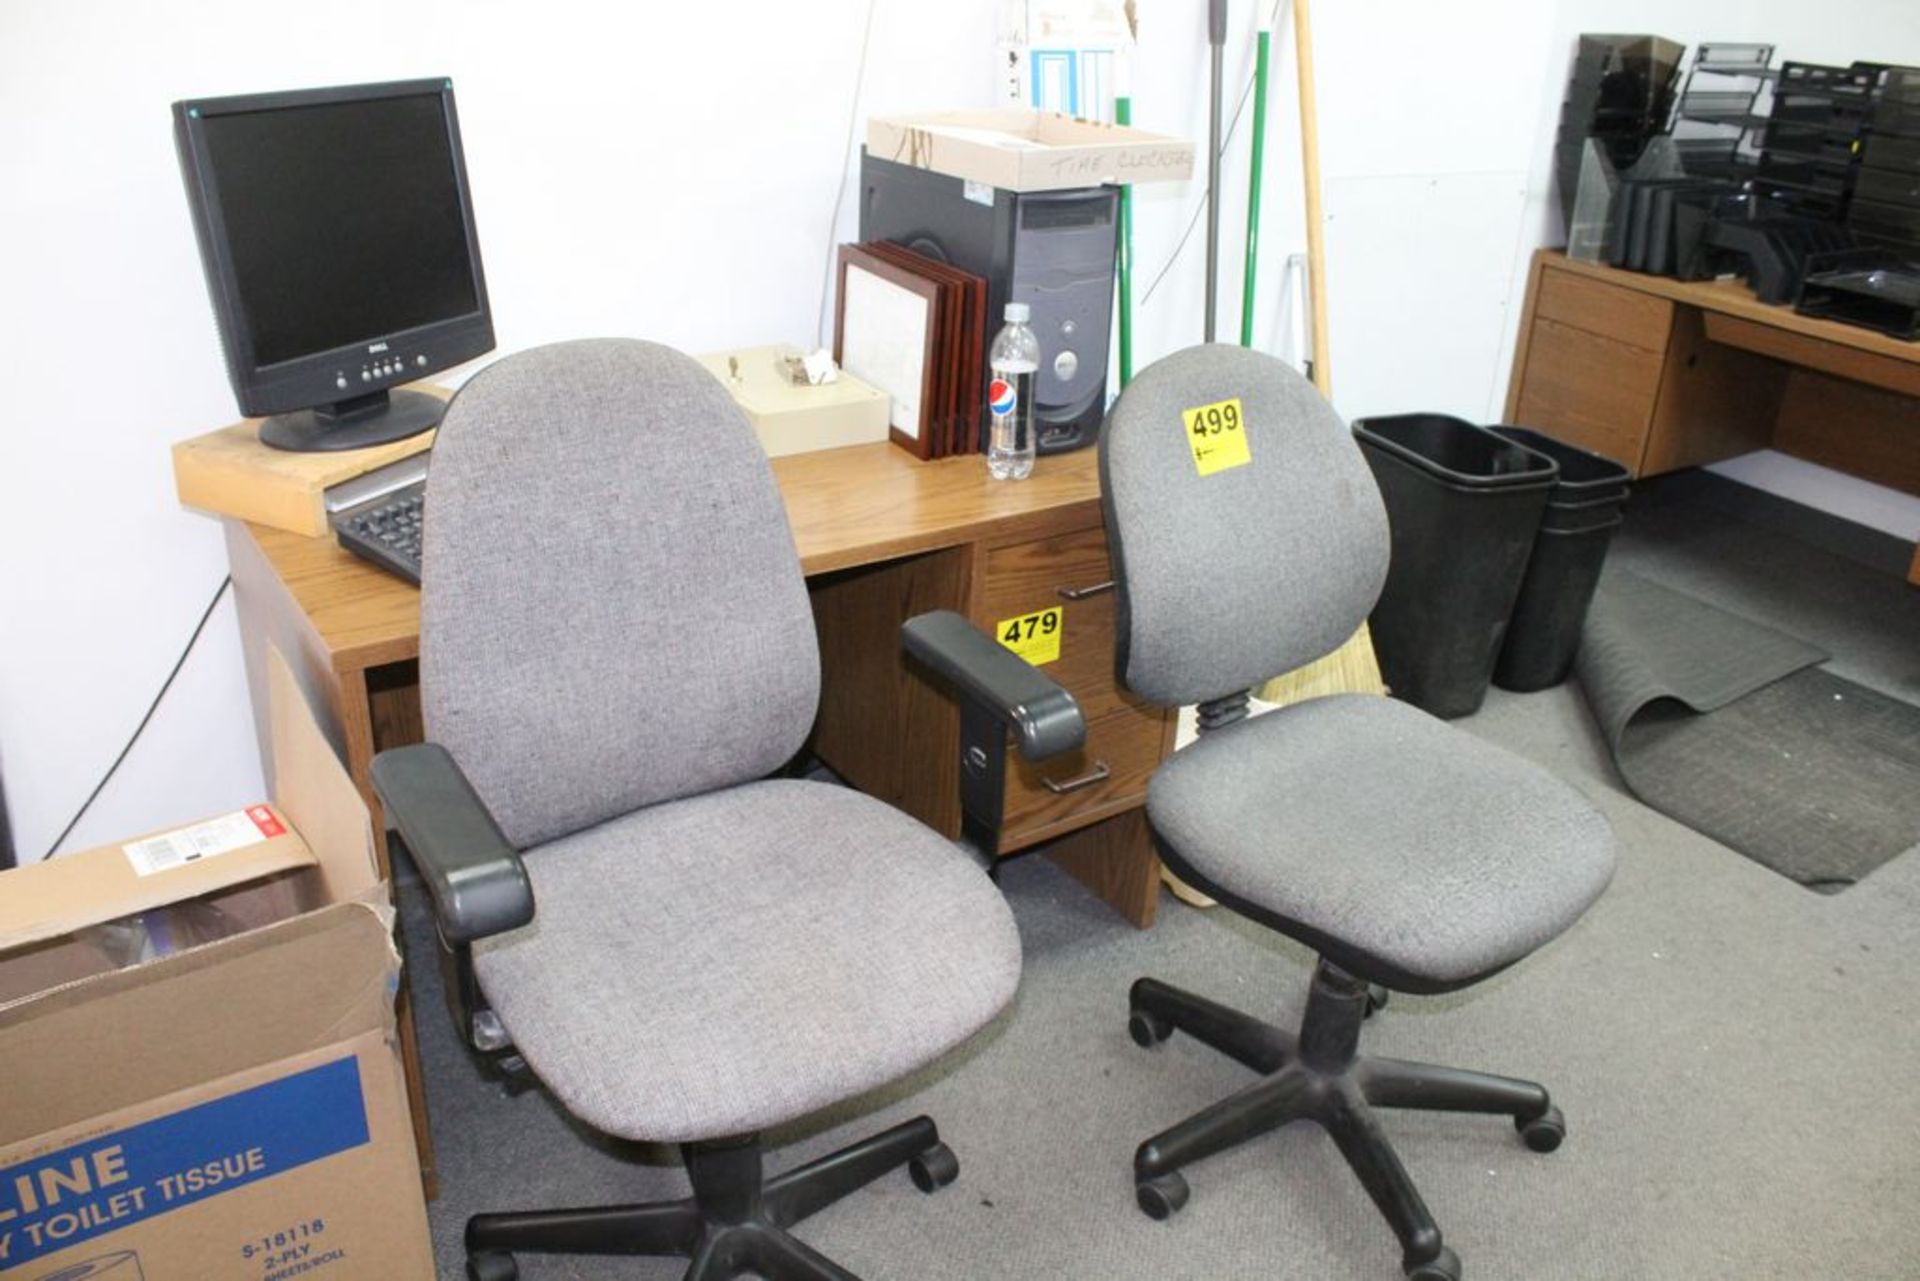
(1736, 1058)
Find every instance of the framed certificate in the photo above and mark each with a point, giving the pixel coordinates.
(884, 333)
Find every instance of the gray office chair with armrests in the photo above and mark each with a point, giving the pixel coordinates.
(1247, 541)
(616, 650)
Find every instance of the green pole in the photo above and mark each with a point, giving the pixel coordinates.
(1123, 114)
(1253, 183)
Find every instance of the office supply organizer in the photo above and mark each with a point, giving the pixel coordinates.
(1877, 284)
(1885, 211)
(1719, 113)
(1811, 147)
(1620, 95)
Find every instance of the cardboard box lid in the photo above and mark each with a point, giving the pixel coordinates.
(57, 896)
(1017, 149)
(318, 820)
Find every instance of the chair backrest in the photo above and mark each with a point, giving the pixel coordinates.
(612, 610)
(1248, 536)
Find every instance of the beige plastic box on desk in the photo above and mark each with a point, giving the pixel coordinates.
(792, 419)
(1017, 149)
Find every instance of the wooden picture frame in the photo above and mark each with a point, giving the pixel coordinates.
(886, 322)
(964, 354)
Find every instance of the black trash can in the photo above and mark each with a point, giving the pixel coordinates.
(1587, 504)
(1464, 505)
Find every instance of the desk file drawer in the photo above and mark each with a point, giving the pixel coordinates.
(1072, 572)
(1591, 391)
(1011, 802)
(1108, 774)
(1601, 308)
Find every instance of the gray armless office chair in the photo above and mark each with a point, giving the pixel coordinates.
(616, 650)
(1405, 852)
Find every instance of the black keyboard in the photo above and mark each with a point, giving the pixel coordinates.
(386, 530)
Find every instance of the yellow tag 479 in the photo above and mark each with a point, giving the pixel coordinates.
(1217, 434)
(1035, 637)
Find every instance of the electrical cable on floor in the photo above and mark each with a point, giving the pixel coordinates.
(139, 729)
(1199, 210)
(846, 174)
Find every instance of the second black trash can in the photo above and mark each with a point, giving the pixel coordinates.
(1463, 505)
(1582, 512)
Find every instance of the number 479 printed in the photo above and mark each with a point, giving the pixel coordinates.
(1036, 636)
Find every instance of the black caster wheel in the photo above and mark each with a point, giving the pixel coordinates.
(1544, 1132)
(934, 1168)
(1377, 998)
(492, 1265)
(1148, 1028)
(1444, 1266)
(1162, 1198)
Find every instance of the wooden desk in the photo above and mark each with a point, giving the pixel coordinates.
(881, 537)
(1663, 374)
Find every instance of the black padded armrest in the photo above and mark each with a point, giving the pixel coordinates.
(1039, 711)
(478, 883)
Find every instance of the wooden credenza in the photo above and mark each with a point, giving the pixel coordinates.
(1662, 374)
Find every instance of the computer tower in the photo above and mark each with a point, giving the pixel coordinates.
(1053, 250)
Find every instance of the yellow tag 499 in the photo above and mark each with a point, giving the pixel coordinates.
(1217, 434)
(1035, 637)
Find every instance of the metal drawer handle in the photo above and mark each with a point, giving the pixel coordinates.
(1098, 774)
(1081, 593)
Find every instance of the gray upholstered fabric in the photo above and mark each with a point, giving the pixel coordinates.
(613, 614)
(1371, 822)
(725, 963)
(1235, 577)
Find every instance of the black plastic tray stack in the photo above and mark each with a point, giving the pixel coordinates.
(1715, 126)
(1886, 200)
(1877, 285)
(1811, 148)
(1621, 94)
(1767, 243)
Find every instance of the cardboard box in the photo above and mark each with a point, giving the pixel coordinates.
(234, 1111)
(793, 419)
(230, 473)
(1020, 150)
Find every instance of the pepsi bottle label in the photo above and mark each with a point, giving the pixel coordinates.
(1003, 397)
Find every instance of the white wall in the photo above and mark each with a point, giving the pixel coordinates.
(670, 171)
(660, 170)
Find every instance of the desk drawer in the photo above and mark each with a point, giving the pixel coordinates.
(1590, 391)
(1625, 315)
(1071, 571)
(1108, 774)
(1125, 734)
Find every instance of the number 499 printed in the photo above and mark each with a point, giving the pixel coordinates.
(1217, 435)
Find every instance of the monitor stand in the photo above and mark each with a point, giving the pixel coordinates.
(377, 419)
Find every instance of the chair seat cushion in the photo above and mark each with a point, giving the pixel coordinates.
(1407, 851)
(717, 965)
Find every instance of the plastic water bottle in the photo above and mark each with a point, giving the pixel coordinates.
(1014, 360)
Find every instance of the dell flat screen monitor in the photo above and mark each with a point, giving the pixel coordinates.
(337, 235)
